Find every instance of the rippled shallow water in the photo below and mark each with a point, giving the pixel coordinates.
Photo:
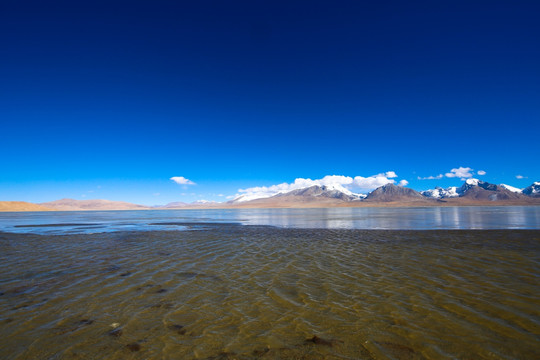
(226, 291)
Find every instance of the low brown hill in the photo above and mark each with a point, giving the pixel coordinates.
(21, 206)
(77, 205)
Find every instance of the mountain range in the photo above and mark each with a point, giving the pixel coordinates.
(472, 192)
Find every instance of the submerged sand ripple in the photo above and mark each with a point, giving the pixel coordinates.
(245, 292)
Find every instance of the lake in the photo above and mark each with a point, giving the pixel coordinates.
(369, 283)
(479, 217)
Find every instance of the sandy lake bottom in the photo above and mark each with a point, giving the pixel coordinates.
(228, 291)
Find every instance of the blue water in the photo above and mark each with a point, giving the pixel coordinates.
(507, 217)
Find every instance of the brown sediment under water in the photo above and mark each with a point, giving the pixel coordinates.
(249, 292)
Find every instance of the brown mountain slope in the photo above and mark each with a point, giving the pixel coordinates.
(391, 192)
(21, 206)
(484, 191)
(500, 194)
(75, 205)
(316, 192)
(289, 201)
(385, 196)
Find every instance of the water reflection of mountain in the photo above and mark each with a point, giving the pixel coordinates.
(473, 217)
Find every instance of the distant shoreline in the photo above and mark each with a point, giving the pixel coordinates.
(30, 207)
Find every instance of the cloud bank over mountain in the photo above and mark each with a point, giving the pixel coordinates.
(460, 172)
(345, 184)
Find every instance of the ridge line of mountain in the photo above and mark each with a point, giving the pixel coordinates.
(472, 192)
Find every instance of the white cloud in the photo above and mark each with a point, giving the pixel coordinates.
(440, 176)
(461, 172)
(374, 181)
(180, 180)
(403, 183)
(337, 182)
(521, 177)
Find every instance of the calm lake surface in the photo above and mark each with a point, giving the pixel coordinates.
(423, 283)
(428, 218)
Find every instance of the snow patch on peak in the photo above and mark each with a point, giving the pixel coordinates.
(340, 188)
(337, 187)
(473, 182)
(511, 188)
(532, 190)
(440, 193)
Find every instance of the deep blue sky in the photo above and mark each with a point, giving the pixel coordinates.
(110, 100)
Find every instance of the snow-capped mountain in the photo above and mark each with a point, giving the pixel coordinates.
(480, 190)
(453, 191)
(472, 183)
(334, 191)
(471, 191)
(505, 191)
(532, 190)
(475, 189)
(440, 193)
(325, 191)
(511, 188)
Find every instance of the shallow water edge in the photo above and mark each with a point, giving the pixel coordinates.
(248, 292)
